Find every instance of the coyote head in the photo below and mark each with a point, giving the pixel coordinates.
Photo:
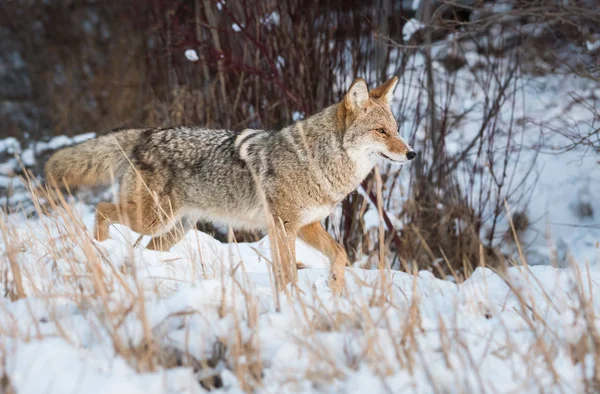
(369, 125)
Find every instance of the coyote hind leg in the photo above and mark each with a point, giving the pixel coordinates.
(146, 219)
(106, 213)
(167, 240)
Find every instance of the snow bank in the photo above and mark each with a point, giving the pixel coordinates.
(391, 331)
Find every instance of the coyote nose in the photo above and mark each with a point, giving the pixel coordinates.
(411, 155)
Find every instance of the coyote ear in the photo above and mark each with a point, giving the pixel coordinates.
(385, 90)
(357, 95)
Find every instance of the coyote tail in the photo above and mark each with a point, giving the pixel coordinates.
(92, 162)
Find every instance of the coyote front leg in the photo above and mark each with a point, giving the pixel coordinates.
(316, 236)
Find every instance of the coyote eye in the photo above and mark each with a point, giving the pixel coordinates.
(381, 131)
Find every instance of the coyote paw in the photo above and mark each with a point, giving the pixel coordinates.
(337, 280)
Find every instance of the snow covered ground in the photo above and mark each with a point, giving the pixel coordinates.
(104, 318)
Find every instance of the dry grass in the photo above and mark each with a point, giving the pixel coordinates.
(115, 296)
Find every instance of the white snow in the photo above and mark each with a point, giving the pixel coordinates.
(280, 62)
(488, 334)
(271, 19)
(236, 27)
(297, 115)
(410, 28)
(10, 145)
(593, 45)
(191, 55)
(53, 365)
(28, 157)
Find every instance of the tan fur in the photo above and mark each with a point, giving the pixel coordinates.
(91, 162)
(170, 178)
(316, 236)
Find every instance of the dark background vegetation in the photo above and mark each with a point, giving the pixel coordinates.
(70, 67)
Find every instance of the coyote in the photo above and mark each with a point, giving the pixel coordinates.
(287, 180)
